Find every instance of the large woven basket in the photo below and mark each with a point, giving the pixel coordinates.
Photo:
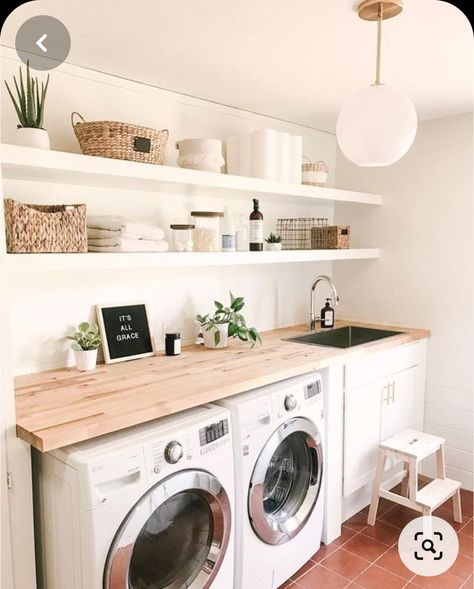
(120, 141)
(45, 228)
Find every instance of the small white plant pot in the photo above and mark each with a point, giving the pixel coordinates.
(31, 137)
(273, 247)
(209, 336)
(85, 360)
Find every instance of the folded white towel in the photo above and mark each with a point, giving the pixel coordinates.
(102, 234)
(105, 241)
(132, 245)
(128, 229)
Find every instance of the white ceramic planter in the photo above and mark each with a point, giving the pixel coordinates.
(209, 337)
(30, 137)
(85, 360)
(273, 247)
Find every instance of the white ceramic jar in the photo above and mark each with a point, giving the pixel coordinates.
(200, 154)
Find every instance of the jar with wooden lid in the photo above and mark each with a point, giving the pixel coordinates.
(182, 238)
(207, 230)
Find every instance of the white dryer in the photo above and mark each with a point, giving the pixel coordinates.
(279, 463)
(147, 507)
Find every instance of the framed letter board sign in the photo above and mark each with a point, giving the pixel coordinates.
(125, 332)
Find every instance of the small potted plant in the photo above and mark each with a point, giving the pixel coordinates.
(227, 322)
(29, 107)
(86, 341)
(273, 243)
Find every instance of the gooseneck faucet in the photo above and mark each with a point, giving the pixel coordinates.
(313, 320)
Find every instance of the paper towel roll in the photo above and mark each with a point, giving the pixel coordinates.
(283, 157)
(245, 154)
(296, 158)
(264, 153)
(232, 146)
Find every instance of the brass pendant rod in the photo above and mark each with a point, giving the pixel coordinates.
(379, 44)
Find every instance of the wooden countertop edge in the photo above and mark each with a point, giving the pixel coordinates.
(53, 382)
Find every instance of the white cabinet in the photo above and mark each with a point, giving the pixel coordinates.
(374, 411)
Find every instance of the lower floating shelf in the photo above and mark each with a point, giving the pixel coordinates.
(99, 261)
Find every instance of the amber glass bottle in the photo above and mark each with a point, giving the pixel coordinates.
(256, 229)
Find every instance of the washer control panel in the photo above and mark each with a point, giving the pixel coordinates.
(173, 452)
(290, 402)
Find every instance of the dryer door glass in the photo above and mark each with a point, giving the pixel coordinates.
(286, 481)
(174, 538)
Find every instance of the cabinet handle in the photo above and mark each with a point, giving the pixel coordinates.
(391, 392)
(386, 394)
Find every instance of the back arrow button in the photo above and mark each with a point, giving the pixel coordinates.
(39, 42)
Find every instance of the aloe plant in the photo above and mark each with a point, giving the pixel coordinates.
(29, 104)
(86, 337)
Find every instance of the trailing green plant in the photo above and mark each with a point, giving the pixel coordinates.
(29, 104)
(272, 238)
(86, 337)
(235, 320)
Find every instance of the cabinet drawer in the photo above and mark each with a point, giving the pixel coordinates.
(371, 367)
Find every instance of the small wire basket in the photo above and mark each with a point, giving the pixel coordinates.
(296, 233)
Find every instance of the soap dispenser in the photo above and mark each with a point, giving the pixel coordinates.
(327, 315)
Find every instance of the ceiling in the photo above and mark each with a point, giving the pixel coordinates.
(291, 60)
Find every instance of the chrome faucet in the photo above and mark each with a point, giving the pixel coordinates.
(313, 320)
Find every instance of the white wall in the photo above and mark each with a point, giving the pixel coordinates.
(276, 295)
(424, 277)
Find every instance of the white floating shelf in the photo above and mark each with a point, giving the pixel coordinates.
(97, 261)
(38, 165)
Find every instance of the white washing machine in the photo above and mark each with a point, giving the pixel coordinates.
(148, 507)
(279, 463)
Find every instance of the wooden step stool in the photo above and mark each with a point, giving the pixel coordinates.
(411, 447)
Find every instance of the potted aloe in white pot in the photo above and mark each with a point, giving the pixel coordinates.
(29, 106)
(227, 322)
(86, 341)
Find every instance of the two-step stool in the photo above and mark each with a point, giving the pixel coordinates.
(412, 447)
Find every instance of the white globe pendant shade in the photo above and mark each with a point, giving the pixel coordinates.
(376, 126)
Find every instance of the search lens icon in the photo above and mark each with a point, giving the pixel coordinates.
(428, 546)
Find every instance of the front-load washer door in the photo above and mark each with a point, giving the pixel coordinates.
(175, 537)
(286, 481)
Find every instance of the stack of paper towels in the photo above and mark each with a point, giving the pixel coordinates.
(267, 153)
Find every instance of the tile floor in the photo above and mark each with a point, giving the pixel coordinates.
(366, 557)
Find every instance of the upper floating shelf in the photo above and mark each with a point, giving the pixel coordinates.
(37, 165)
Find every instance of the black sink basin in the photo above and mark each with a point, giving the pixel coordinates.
(343, 337)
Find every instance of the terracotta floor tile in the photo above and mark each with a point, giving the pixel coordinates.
(365, 547)
(357, 522)
(445, 581)
(462, 567)
(286, 585)
(465, 544)
(319, 578)
(375, 578)
(469, 584)
(467, 528)
(399, 516)
(385, 533)
(324, 550)
(346, 534)
(304, 569)
(345, 563)
(391, 561)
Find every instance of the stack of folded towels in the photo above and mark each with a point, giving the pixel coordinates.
(109, 233)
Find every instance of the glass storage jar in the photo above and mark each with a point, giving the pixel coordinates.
(182, 238)
(207, 231)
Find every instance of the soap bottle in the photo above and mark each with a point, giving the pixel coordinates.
(228, 232)
(256, 228)
(327, 315)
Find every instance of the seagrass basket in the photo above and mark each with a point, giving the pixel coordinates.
(122, 141)
(45, 228)
(331, 237)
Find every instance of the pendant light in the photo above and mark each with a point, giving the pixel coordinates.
(377, 125)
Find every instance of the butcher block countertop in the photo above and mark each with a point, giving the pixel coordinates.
(61, 407)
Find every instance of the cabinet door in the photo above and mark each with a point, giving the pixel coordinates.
(362, 431)
(398, 412)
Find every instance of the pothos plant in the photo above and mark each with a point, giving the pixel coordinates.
(237, 326)
(86, 337)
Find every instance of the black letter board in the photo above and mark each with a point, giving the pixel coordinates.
(125, 332)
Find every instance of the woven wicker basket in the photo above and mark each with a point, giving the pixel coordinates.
(120, 141)
(45, 228)
(314, 174)
(337, 237)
